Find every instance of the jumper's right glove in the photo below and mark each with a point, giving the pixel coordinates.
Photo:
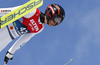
(7, 57)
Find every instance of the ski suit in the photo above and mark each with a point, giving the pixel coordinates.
(27, 26)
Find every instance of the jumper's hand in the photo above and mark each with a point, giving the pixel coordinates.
(7, 57)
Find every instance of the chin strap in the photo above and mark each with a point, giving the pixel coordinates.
(48, 22)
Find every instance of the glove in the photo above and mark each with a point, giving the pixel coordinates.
(7, 57)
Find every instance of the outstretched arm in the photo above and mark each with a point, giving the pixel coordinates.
(20, 42)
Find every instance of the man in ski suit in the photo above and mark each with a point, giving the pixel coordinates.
(28, 26)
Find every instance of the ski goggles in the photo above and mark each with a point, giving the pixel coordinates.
(57, 19)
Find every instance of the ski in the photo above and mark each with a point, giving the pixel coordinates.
(19, 12)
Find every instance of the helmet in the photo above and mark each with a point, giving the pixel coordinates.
(55, 12)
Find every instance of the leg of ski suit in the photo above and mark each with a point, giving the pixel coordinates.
(5, 38)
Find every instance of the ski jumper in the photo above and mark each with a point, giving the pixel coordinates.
(27, 26)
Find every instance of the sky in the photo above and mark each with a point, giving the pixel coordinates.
(77, 37)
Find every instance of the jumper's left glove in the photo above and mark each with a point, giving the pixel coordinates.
(7, 57)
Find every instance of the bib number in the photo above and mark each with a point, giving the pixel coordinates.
(23, 30)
